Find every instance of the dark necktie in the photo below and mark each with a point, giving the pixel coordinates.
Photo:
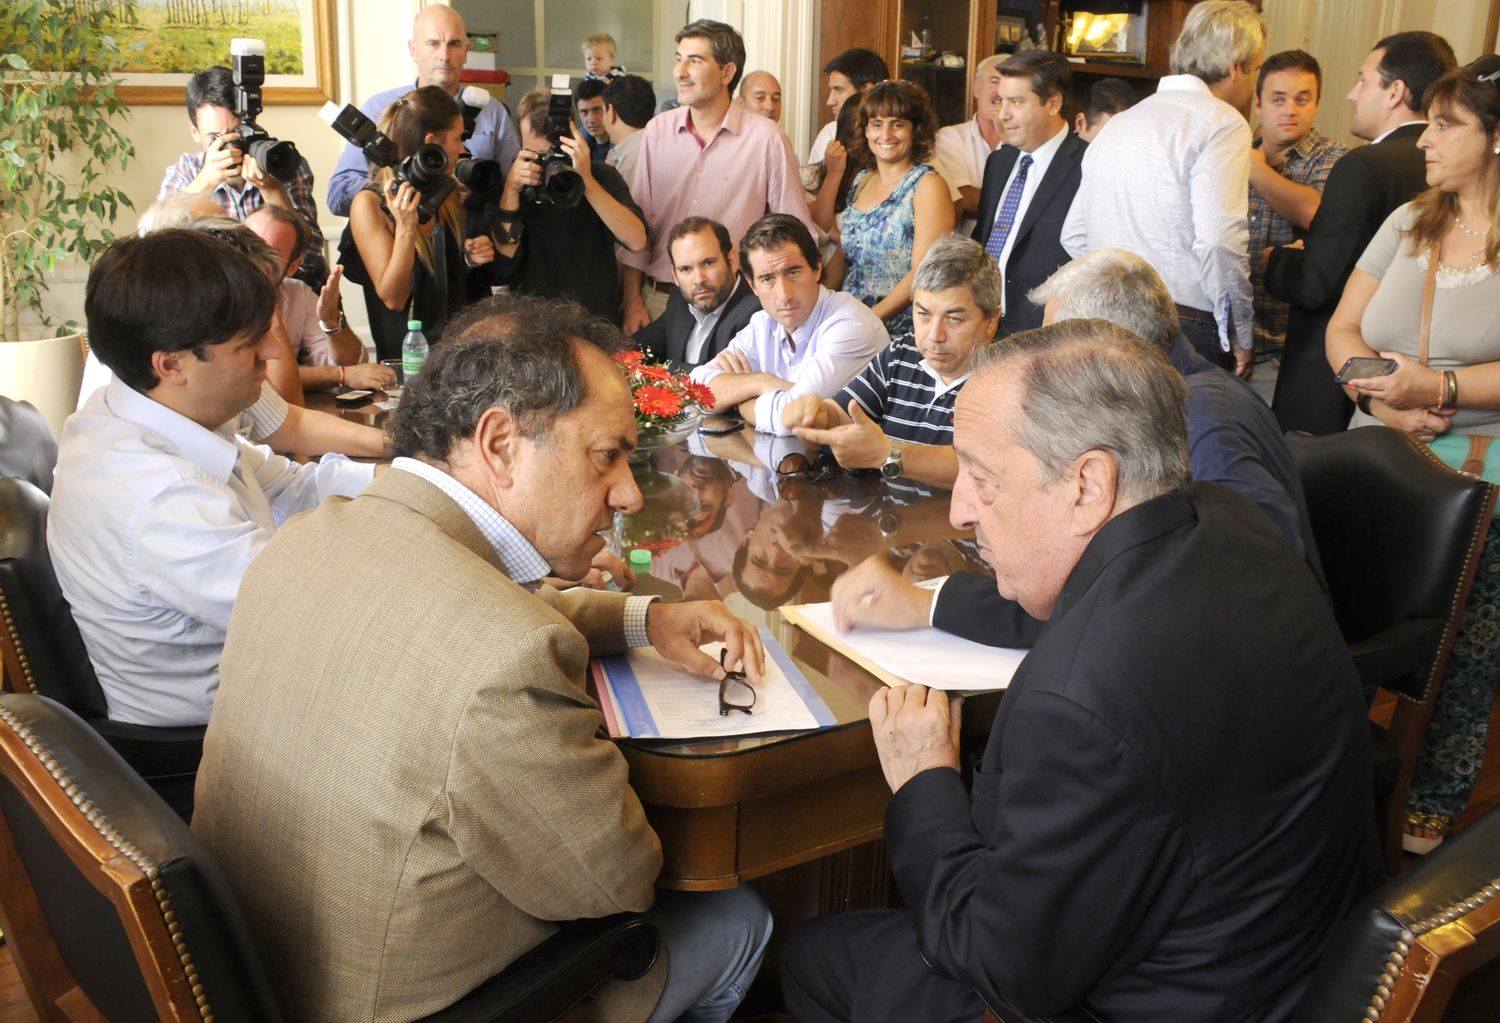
(1008, 207)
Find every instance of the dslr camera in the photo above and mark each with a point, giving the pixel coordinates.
(481, 177)
(277, 158)
(560, 184)
(425, 170)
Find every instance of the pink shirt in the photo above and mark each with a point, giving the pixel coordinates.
(745, 171)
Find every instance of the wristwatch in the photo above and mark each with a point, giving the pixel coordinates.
(335, 328)
(889, 524)
(891, 468)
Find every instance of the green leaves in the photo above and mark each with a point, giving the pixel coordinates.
(58, 60)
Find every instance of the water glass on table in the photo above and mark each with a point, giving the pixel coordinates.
(393, 391)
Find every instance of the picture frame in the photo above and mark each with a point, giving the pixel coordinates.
(309, 22)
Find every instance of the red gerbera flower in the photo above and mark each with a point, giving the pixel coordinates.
(658, 401)
(657, 373)
(700, 393)
(630, 358)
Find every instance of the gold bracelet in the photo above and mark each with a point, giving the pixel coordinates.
(1442, 399)
(1452, 377)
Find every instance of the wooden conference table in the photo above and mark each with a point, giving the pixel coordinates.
(723, 525)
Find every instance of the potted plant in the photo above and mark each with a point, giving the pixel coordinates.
(59, 152)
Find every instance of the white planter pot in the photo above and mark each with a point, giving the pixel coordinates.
(46, 373)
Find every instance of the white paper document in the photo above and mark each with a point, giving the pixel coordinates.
(645, 696)
(926, 656)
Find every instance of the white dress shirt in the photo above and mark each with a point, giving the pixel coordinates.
(838, 338)
(1041, 159)
(820, 141)
(154, 521)
(704, 323)
(1169, 180)
(961, 155)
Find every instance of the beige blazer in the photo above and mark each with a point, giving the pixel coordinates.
(403, 776)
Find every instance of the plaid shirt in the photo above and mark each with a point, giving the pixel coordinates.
(1307, 163)
(239, 205)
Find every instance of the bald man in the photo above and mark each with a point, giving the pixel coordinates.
(439, 45)
(761, 92)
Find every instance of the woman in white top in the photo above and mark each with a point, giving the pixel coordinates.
(1454, 398)
(1458, 217)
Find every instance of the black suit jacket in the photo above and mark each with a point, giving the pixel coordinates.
(665, 338)
(1363, 188)
(1037, 250)
(1173, 808)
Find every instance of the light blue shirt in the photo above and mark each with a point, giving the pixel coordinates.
(495, 138)
(838, 338)
(154, 521)
(522, 562)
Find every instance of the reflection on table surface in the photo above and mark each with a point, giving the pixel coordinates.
(721, 523)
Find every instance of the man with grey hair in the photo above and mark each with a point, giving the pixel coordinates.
(963, 148)
(1172, 810)
(897, 414)
(1233, 439)
(505, 810)
(1171, 181)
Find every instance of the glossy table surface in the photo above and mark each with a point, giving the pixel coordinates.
(722, 524)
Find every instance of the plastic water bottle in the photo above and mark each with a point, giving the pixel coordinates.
(413, 350)
(640, 562)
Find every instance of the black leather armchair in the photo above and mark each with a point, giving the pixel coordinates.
(1399, 535)
(1401, 956)
(44, 652)
(111, 901)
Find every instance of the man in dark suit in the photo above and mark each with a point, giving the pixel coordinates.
(1029, 182)
(1172, 811)
(1363, 188)
(712, 302)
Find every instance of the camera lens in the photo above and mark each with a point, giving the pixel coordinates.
(562, 184)
(430, 161)
(278, 159)
(481, 176)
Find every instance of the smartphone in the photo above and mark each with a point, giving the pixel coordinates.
(1363, 367)
(718, 426)
(349, 399)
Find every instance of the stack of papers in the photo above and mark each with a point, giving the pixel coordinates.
(645, 696)
(927, 656)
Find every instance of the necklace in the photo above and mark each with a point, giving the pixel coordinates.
(1467, 230)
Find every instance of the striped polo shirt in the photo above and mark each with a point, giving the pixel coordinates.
(901, 392)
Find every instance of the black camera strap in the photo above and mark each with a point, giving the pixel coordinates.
(440, 268)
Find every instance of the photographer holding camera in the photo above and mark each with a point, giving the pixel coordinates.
(562, 213)
(225, 173)
(408, 225)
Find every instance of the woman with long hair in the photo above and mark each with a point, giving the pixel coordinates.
(898, 206)
(415, 270)
(1441, 253)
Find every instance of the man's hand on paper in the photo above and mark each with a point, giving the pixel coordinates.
(875, 594)
(678, 630)
(915, 729)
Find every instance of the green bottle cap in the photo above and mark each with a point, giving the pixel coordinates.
(413, 324)
(640, 560)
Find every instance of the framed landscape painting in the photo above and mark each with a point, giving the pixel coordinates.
(176, 38)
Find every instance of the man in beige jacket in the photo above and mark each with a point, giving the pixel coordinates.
(403, 775)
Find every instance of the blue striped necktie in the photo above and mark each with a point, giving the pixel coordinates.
(1007, 216)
